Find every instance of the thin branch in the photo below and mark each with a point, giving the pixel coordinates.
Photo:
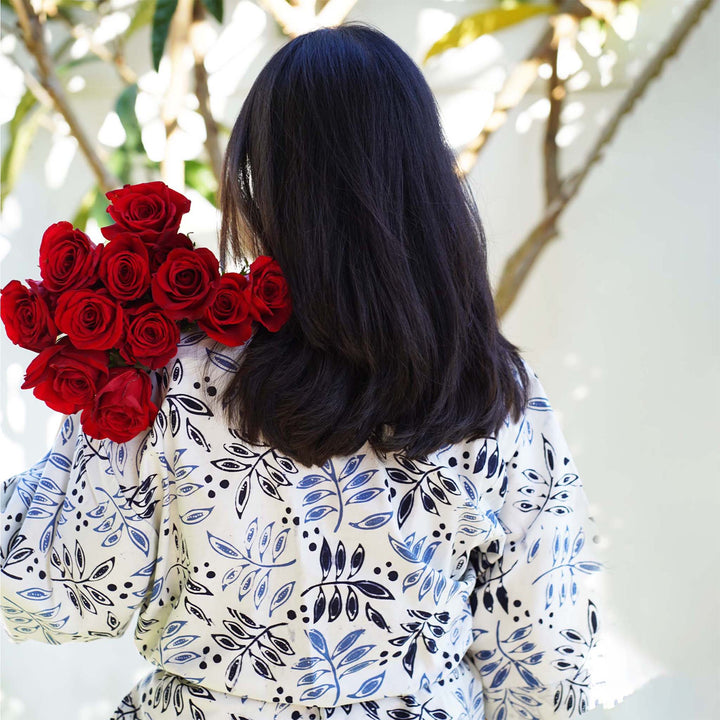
(212, 144)
(116, 59)
(32, 30)
(521, 262)
(172, 166)
(556, 92)
(516, 86)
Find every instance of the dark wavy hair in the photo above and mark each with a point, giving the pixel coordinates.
(338, 168)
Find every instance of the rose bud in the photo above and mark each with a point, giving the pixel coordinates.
(26, 316)
(123, 407)
(67, 258)
(125, 267)
(186, 283)
(65, 378)
(162, 248)
(148, 210)
(92, 320)
(151, 338)
(228, 318)
(270, 302)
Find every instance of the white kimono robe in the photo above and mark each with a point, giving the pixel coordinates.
(456, 587)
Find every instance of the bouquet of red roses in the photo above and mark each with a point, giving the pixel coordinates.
(105, 315)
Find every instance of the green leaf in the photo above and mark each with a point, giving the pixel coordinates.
(93, 205)
(22, 129)
(215, 8)
(164, 10)
(144, 12)
(199, 176)
(125, 109)
(483, 23)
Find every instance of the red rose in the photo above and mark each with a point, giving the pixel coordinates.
(162, 249)
(67, 258)
(125, 267)
(149, 210)
(227, 319)
(26, 316)
(91, 319)
(151, 337)
(123, 407)
(270, 295)
(186, 283)
(65, 378)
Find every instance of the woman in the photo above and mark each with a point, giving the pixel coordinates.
(371, 512)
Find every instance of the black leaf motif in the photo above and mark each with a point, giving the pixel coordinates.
(357, 559)
(339, 558)
(481, 458)
(488, 600)
(558, 698)
(268, 488)
(408, 464)
(408, 660)
(281, 644)
(399, 476)
(335, 605)
(351, 604)
(592, 618)
(374, 590)
(549, 455)
(178, 702)
(493, 463)
(191, 404)
(98, 596)
(103, 569)
(79, 557)
(502, 597)
(262, 668)
(225, 641)
(67, 559)
(195, 712)
(196, 588)
(325, 558)
(319, 607)
(405, 507)
(167, 697)
(232, 672)
(437, 492)
(241, 496)
(230, 465)
(428, 502)
(374, 616)
(18, 556)
(237, 629)
(174, 418)
(195, 435)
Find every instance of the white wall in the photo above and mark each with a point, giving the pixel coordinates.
(619, 319)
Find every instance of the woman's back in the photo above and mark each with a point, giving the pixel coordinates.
(396, 588)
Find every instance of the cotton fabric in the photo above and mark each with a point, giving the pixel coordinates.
(455, 587)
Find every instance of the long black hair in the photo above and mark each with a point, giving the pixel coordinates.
(338, 168)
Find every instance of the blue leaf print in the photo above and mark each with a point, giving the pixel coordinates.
(363, 496)
(372, 522)
(195, 516)
(35, 593)
(311, 481)
(347, 642)
(316, 692)
(318, 512)
(311, 677)
(224, 362)
(318, 641)
(370, 686)
(224, 548)
(281, 596)
(139, 538)
(182, 657)
(305, 663)
(60, 461)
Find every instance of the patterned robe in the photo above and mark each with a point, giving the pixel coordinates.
(455, 587)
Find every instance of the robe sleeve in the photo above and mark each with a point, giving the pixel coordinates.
(79, 540)
(535, 606)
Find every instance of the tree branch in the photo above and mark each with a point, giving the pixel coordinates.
(32, 31)
(521, 262)
(172, 167)
(212, 144)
